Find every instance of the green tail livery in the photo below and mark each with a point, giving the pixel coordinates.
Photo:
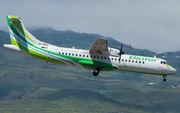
(100, 57)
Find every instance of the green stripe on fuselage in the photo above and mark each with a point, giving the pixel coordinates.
(91, 64)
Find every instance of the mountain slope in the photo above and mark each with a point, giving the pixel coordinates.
(28, 84)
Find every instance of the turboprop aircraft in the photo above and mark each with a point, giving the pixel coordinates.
(99, 58)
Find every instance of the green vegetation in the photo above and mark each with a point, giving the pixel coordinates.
(30, 85)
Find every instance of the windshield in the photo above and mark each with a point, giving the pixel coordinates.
(163, 62)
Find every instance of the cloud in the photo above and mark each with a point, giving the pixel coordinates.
(152, 25)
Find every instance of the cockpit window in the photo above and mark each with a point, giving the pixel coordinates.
(163, 62)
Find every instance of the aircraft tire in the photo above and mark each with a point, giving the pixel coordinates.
(96, 72)
(164, 79)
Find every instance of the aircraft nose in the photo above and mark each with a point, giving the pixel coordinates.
(173, 70)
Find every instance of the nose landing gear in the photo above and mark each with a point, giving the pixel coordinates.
(164, 77)
(96, 71)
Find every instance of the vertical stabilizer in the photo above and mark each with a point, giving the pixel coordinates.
(20, 37)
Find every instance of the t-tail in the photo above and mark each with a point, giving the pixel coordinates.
(21, 39)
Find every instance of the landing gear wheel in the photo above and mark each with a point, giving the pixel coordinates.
(96, 71)
(164, 79)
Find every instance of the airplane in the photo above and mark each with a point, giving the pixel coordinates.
(100, 57)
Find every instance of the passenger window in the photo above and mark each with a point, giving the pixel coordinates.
(108, 58)
(63, 53)
(94, 56)
(161, 62)
(76, 54)
(72, 54)
(101, 57)
(59, 52)
(115, 59)
(87, 56)
(164, 62)
(91, 56)
(129, 60)
(132, 61)
(125, 60)
(97, 57)
(66, 53)
(122, 59)
(69, 54)
(143, 62)
(79, 55)
(139, 61)
(136, 61)
(111, 58)
(83, 55)
(104, 57)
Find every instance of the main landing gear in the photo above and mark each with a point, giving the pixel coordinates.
(164, 78)
(96, 71)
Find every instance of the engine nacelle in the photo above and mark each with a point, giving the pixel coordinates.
(113, 52)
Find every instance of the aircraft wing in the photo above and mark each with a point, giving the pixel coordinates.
(100, 46)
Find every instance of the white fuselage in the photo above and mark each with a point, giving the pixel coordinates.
(132, 63)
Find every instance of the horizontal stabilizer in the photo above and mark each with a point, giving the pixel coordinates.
(11, 47)
(15, 48)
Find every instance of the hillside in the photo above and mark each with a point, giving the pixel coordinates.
(31, 85)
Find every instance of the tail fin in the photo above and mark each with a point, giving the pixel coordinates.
(18, 33)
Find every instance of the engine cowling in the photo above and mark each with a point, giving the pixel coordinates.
(113, 52)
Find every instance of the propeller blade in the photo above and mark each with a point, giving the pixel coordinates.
(121, 46)
(119, 58)
(120, 53)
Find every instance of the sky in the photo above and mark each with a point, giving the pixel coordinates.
(145, 24)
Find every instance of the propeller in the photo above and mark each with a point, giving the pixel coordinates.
(121, 52)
